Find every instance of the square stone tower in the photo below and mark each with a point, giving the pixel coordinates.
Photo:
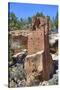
(39, 60)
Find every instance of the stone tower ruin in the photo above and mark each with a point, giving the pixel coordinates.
(39, 60)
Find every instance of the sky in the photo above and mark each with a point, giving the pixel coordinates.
(24, 10)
